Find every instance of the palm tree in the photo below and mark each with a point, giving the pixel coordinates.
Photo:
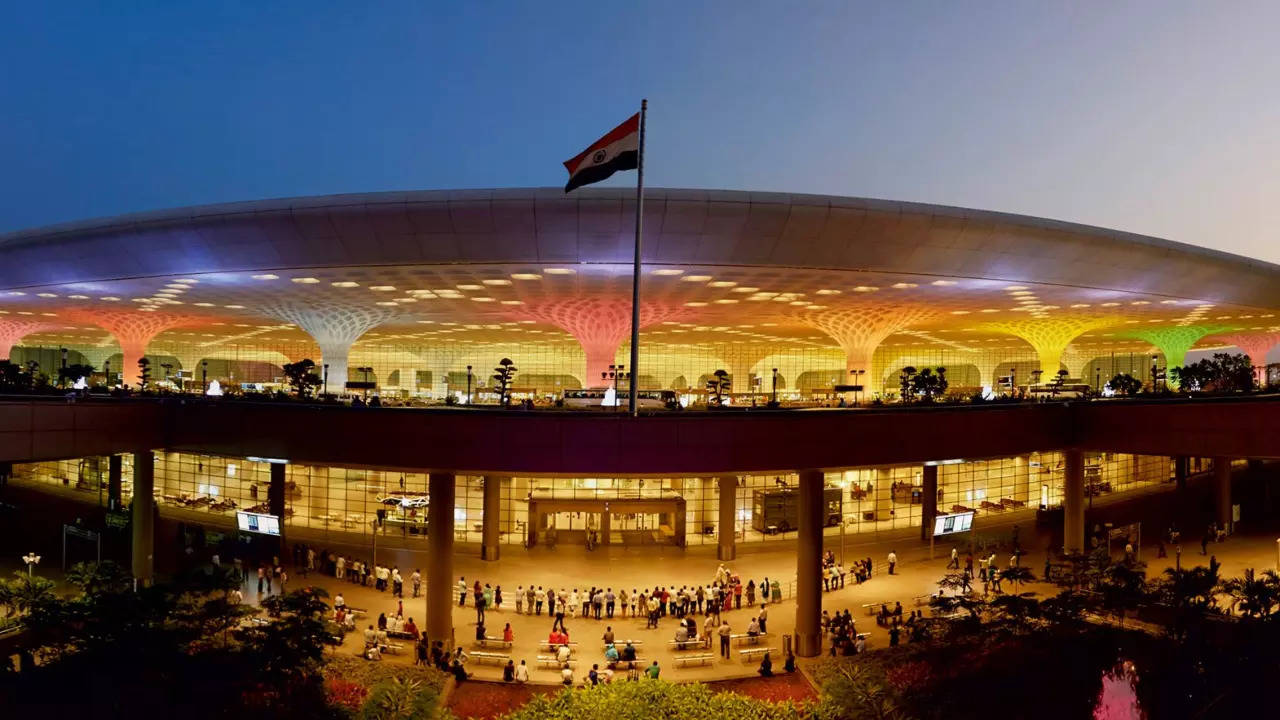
(24, 592)
(1017, 575)
(1255, 595)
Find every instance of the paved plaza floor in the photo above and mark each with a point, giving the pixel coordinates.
(643, 568)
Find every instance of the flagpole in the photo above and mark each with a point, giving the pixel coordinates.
(635, 270)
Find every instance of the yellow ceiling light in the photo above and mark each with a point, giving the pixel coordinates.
(668, 271)
(959, 312)
(904, 285)
(726, 301)
(696, 278)
(558, 271)
(187, 281)
(109, 298)
(47, 295)
(1015, 287)
(695, 304)
(526, 276)
(1140, 302)
(345, 284)
(407, 300)
(469, 287)
(721, 284)
(745, 289)
(387, 303)
(943, 283)
(1168, 302)
(496, 281)
(78, 297)
(865, 288)
(1110, 304)
(204, 304)
(266, 276)
(233, 307)
(482, 299)
(512, 302)
(826, 291)
(382, 288)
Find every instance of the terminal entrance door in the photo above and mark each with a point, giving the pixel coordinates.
(618, 521)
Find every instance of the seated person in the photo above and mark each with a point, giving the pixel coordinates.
(508, 635)
(554, 638)
(682, 634)
(370, 637)
(480, 631)
(753, 629)
(629, 652)
(766, 666)
(897, 609)
(562, 654)
(412, 629)
(372, 653)
(790, 664)
(611, 653)
(382, 638)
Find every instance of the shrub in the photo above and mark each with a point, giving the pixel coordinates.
(656, 700)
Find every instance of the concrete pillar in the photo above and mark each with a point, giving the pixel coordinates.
(275, 501)
(606, 525)
(1181, 469)
(928, 500)
(1073, 502)
(440, 578)
(144, 506)
(727, 527)
(884, 493)
(492, 516)
(1022, 481)
(114, 464)
(808, 636)
(1222, 490)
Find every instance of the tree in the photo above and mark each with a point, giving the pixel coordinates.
(1255, 595)
(302, 377)
(906, 383)
(717, 386)
(1123, 587)
(502, 377)
(72, 373)
(144, 373)
(1059, 379)
(929, 384)
(1017, 575)
(1222, 373)
(1125, 384)
(15, 377)
(24, 592)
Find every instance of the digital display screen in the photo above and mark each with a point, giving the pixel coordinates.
(951, 524)
(258, 523)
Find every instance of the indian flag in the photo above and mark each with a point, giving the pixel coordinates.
(618, 150)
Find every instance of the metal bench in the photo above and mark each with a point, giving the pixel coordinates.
(751, 653)
(552, 662)
(494, 642)
(495, 658)
(687, 644)
(393, 648)
(621, 644)
(922, 600)
(698, 658)
(552, 647)
(745, 639)
(873, 608)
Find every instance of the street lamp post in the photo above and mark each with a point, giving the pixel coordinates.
(204, 377)
(614, 373)
(468, 384)
(857, 381)
(31, 559)
(774, 400)
(326, 378)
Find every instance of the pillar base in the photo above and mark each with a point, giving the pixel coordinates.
(808, 645)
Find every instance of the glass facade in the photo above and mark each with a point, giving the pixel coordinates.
(347, 504)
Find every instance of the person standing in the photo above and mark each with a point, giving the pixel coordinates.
(540, 596)
(955, 559)
(893, 561)
(724, 632)
(519, 599)
(763, 617)
(416, 579)
(609, 600)
(462, 591)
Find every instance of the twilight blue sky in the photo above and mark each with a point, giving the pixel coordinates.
(1154, 117)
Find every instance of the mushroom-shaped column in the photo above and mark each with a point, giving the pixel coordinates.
(860, 328)
(1050, 336)
(740, 359)
(1077, 359)
(334, 329)
(134, 331)
(600, 325)
(1175, 342)
(14, 329)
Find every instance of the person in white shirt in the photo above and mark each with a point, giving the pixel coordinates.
(519, 599)
(607, 675)
(462, 591)
(522, 673)
(340, 568)
(540, 597)
(416, 578)
(893, 561)
(573, 603)
(562, 654)
(339, 601)
(566, 675)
